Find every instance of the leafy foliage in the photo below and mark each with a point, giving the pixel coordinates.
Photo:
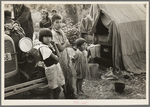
(72, 31)
(81, 10)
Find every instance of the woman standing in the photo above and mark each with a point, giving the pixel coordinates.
(45, 22)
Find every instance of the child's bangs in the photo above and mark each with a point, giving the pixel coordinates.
(45, 33)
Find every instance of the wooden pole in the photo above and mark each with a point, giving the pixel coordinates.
(25, 84)
(24, 89)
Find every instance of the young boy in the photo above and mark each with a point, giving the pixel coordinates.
(65, 61)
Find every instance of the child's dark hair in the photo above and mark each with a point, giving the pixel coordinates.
(79, 42)
(54, 11)
(45, 32)
(56, 17)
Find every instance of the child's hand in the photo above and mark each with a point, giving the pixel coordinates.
(53, 43)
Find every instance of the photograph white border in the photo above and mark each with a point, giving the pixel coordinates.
(75, 102)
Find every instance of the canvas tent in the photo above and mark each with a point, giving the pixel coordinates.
(125, 27)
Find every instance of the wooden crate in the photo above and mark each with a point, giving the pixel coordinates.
(102, 38)
(94, 70)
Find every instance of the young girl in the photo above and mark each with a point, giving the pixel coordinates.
(45, 22)
(50, 54)
(81, 63)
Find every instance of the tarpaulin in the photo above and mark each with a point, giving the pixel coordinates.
(126, 25)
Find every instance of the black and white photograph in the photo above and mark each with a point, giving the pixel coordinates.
(74, 53)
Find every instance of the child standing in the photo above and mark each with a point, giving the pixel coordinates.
(53, 71)
(81, 63)
(65, 61)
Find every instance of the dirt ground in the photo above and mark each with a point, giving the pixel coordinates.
(105, 89)
(97, 88)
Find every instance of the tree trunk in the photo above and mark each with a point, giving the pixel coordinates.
(71, 11)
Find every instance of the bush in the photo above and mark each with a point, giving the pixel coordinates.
(72, 31)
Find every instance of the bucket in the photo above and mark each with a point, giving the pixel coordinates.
(119, 87)
(94, 69)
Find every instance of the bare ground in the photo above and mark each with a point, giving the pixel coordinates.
(97, 88)
(104, 89)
